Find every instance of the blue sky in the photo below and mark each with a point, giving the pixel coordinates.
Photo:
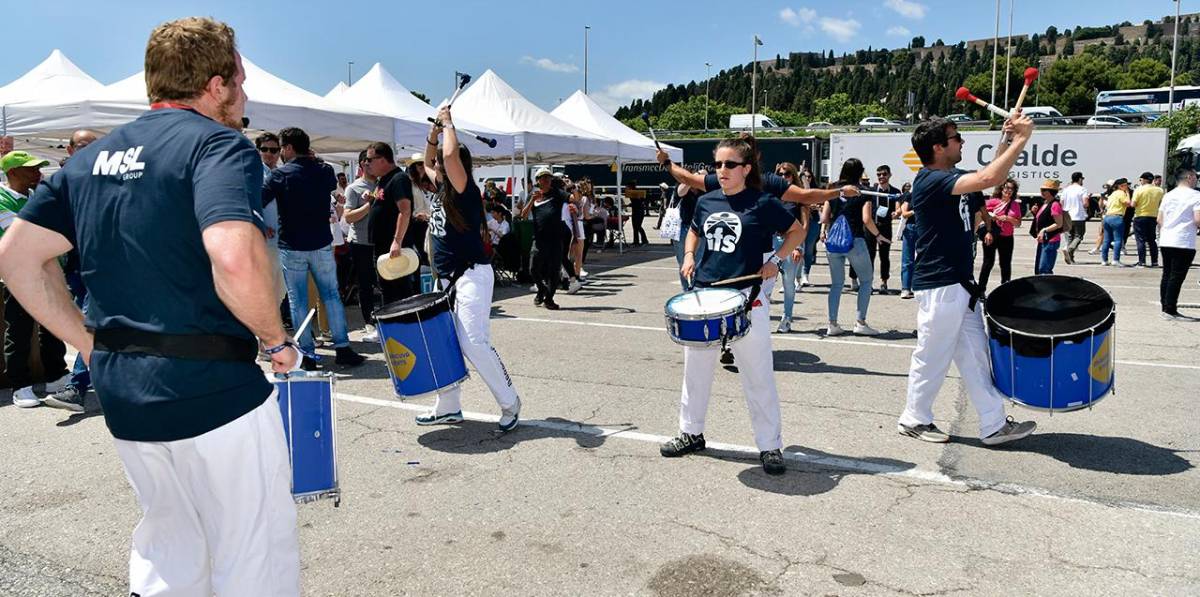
(635, 46)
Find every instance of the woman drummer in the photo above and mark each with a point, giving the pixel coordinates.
(736, 222)
(456, 218)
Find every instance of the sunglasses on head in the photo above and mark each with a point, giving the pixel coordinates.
(269, 149)
(727, 164)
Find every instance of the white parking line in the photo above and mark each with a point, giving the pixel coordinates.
(833, 462)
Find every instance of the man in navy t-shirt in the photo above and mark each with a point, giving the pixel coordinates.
(166, 215)
(949, 318)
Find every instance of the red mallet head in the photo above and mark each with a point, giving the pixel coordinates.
(1031, 75)
(964, 94)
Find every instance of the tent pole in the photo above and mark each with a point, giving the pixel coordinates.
(512, 173)
(620, 211)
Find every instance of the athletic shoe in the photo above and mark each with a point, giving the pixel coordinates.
(309, 364)
(1103, 262)
(803, 281)
(1066, 257)
(862, 329)
(1153, 265)
(854, 285)
(726, 357)
(785, 326)
(574, 287)
(1093, 252)
(538, 300)
(533, 288)
(883, 289)
(584, 274)
(906, 294)
(1011, 431)
(926, 433)
(371, 336)
(551, 305)
(1139, 265)
(58, 385)
(509, 417)
(834, 330)
(67, 399)
(347, 357)
(431, 418)
(25, 398)
(686, 443)
(772, 462)
(1169, 316)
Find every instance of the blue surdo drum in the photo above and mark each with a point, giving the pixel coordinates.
(309, 415)
(707, 317)
(421, 345)
(1052, 342)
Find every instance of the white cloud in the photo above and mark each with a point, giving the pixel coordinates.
(840, 29)
(899, 31)
(907, 8)
(550, 65)
(620, 94)
(796, 18)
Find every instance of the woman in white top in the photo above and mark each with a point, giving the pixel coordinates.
(1178, 218)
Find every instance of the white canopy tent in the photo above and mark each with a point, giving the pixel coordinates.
(581, 111)
(337, 91)
(378, 91)
(54, 77)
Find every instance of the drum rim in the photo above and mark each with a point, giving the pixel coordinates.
(440, 299)
(449, 386)
(708, 343)
(706, 317)
(1112, 314)
(1047, 409)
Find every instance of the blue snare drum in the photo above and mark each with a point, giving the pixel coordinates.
(1052, 342)
(707, 317)
(421, 345)
(309, 416)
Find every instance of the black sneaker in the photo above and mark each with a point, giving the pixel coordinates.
(309, 364)
(348, 358)
(551, 305)
(772, 462)
(538, 300)
(726, 357)
(68, 398)
(686, 443)
(926, 433)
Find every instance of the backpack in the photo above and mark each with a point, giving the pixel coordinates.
(839, 239)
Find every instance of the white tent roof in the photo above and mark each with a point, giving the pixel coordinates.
(337, 91)
(272, 104)
(378, 91)
(54, 77)
(542, 137)
(581, 111)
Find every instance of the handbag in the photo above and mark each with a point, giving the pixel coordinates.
(671, 222)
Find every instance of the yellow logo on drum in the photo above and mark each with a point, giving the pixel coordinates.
(400, 359)
(1102, 365)
(911, 160)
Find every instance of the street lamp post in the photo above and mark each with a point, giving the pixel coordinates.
(349, 72)
(586, 28)
(1174, 47)
(1008, 61)
(707, 85)
(754, 85)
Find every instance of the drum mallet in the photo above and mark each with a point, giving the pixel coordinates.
(646, 119)
(878, 194)
(485, 140)
(1031, 75)
(964, 94)
(462, 79)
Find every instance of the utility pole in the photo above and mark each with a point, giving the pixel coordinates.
(754, 85)
(995, 54)
(586, 28)
(707, 85)
(1174, 47)
(1008, 61)
(349, 73)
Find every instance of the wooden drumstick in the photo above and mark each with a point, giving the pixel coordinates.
(1031, 75)
(965, 95)
(738, 279)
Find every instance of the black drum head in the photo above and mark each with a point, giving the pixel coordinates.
(1049, 305)
(412, 305)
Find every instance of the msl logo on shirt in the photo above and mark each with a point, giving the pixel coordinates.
(723, 229)
(125, 165)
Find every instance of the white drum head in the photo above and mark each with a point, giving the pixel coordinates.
(705, 302)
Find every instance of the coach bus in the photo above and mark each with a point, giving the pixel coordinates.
(1144, 103)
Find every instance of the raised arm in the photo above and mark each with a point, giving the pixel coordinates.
(1020, 127)
(455, 171)
(679, 173)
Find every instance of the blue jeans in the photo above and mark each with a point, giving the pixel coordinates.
(1043, 260)
(810, 245)
(296, 266)
(860, 260)
(81, 378)
(908, 243)
(788, 269)
(1114, 237)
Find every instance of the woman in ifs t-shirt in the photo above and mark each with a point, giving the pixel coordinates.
(735, 223)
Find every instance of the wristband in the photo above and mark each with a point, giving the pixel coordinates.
(776, 259)
(279, 347)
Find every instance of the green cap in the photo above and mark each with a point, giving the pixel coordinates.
(21, 159)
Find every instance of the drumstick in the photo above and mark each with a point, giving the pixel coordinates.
(877, 193)
(738, 279)
(964, 94)
(1031, 75)
(304, 326)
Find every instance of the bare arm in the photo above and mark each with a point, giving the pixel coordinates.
(868, 215)
(1022, 127)
(690, 244)
(402, 221)
(357, 213)
(29, 267)
(242, 277)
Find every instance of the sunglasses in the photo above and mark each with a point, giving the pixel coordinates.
(269, 149)
(957, 137)
(883, 174)
(728, 164)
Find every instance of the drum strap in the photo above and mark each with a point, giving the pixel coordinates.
(198, 347)
(975, 291)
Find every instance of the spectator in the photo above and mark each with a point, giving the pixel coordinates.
(888, 207)
(268, 150)
(1146, 200)
(390, 217)
(498, 226)
(1178, 218)
(814, 229)
(908, 240)
(1102, 203)
(600, 222)
(1114, 215)
(570, 280)
(359, 195)
(546, 204)
(1075, 200)
(24, 173)
(1049, 223)
(787, 267)
(302, 187)
(1004, 215)
(861, 217)
(637, 206)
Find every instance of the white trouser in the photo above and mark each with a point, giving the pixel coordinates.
(217, 511)
(947, 331)
(756, 369)
(472, 319)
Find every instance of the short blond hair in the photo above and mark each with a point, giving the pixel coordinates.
(182, 56)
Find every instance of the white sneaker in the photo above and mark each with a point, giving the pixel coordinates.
(372, 335)
(803, 281)
(25, 398)
(834, 330)
(1104, 263)
(533, 288)
(58, 385)
(785, 326)
(862, 329)
(584, 273)
(574, 287)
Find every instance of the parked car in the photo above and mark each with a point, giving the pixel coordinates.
(743, 122)
(875, 122)
(959, 118)
(819, 125)
(1106, 121)
(1045, 115)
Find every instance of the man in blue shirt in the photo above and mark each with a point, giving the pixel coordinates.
(301, 189)
(166, 215)
(949, 318)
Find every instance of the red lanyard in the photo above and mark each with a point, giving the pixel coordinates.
(162, 105)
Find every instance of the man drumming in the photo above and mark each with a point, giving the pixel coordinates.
(166, 214)
(949, 317)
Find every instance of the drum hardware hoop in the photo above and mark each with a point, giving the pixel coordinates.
(1051, 377)
(1111, 313)
(1091, 379)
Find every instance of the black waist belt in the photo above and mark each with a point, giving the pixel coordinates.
(198, 347)
(976, 292)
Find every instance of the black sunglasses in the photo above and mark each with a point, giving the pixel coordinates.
(728, 164)
(956, 137)
(269, 149)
